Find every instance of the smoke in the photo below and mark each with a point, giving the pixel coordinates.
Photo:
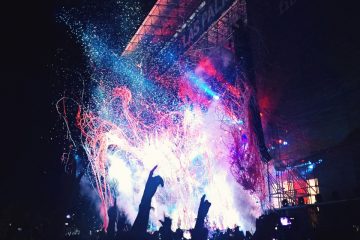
(132, 124)
(193, 161)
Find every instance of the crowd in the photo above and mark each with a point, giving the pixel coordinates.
(268, 226)
(118, 227)
(139, 228)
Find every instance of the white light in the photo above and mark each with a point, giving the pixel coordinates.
(129, 165)
(285, 143)
(66, 224)
(216, 97)
(68, 216)
(285, 221)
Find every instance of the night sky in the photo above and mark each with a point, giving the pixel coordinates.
(31, 171)
(36, 48)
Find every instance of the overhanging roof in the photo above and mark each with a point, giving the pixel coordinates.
(164, 20)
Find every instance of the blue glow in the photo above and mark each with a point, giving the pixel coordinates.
(285, 143)
(244, 138)
(202, 85)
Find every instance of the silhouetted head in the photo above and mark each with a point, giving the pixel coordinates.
(248, 234)
(166, 223)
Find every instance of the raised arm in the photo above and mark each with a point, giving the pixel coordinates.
(200, 232)
(142, 219)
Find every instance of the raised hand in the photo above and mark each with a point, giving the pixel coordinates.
(152, 185)
(199, 232)
(204, 207)
(202, 212)
(142, 219)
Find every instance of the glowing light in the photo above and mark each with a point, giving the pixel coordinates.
(201, 84)
(192, 148)
(285, 221)
(133, 124)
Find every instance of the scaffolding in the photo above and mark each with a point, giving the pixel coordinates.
(164, 20)
(293, 183)
(220, 33)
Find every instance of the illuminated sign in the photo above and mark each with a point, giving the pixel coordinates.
(211, 11)
(199, 23)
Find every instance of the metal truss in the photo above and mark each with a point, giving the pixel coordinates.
(290, 184)
(218, 36)
(161, 23)
(220, 33)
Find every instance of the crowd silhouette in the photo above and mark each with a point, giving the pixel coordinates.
(305, 222)
(138, 231)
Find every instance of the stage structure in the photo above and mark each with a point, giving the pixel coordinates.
(183, 32)
(182, 96)
(291, 180)
(190, 28)
(193, 29)
(294, 185)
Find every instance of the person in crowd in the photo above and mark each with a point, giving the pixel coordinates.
(179, 234)
(200, 232)
(238, 235)
(165, 229)
(138, 230)
(113, 219)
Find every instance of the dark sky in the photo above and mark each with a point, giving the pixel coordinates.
(306, 60)
(31, 170)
